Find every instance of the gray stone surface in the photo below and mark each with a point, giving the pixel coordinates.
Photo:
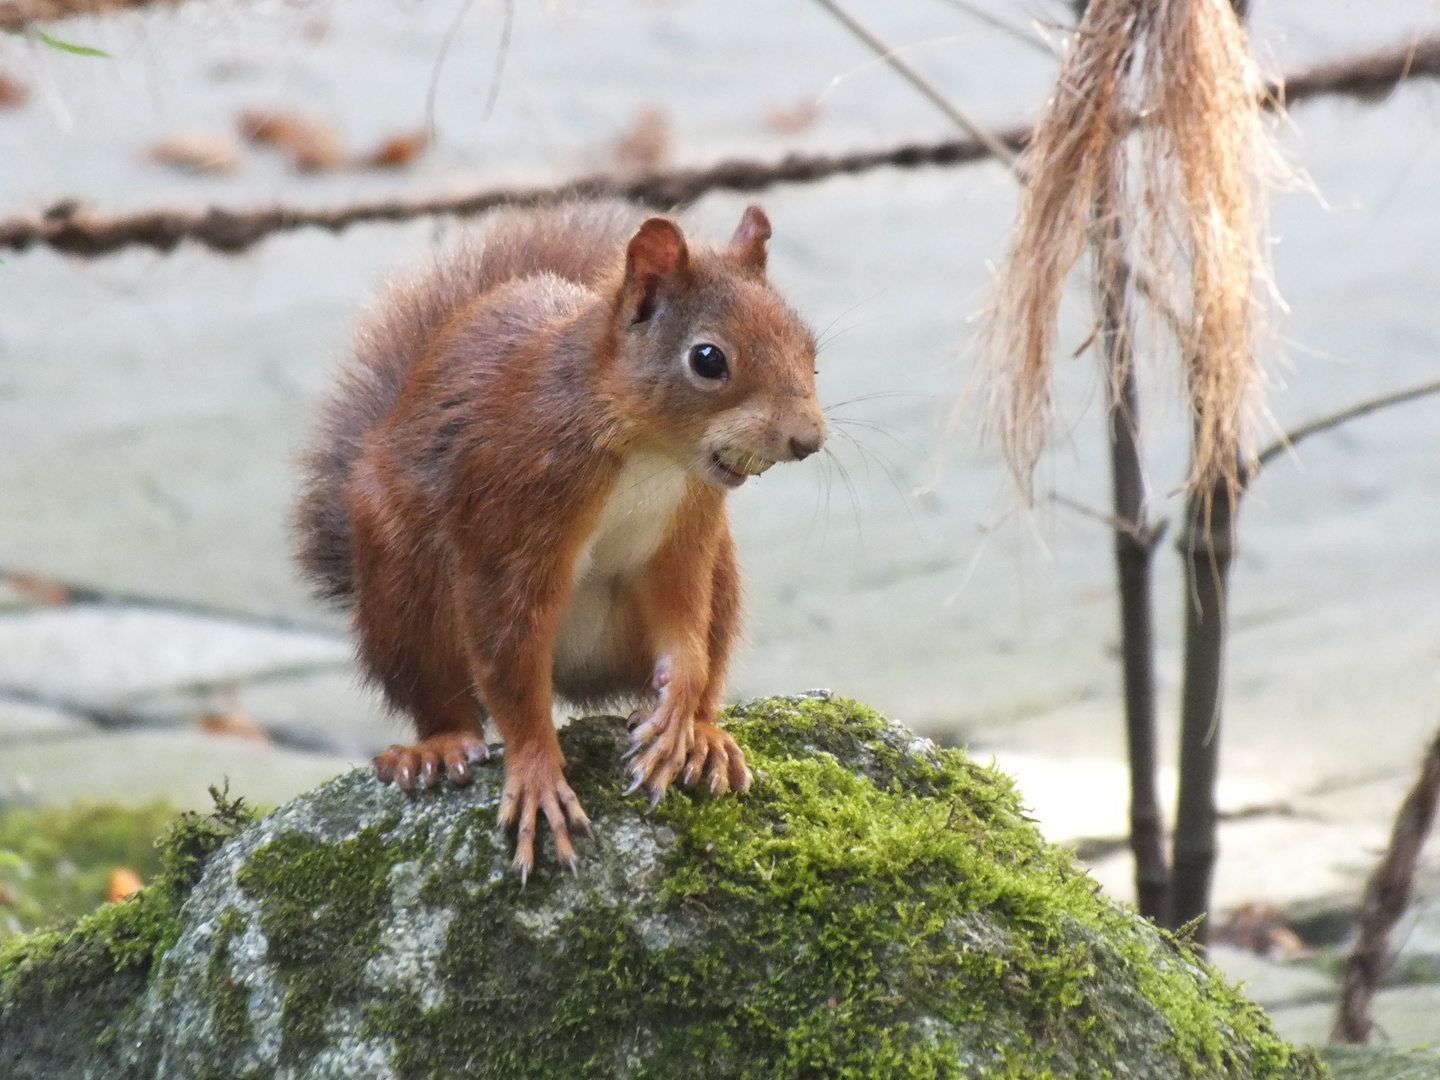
(1382, 1063)
(1416, 941)
(106, 656)
(1404, 1016)
(331, 711)
(142, 766)
(22, 722)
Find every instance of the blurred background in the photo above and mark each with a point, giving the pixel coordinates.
(155, 638)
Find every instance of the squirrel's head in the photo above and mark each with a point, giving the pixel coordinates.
(722, 368)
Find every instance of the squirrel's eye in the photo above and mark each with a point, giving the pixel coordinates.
(709, 362)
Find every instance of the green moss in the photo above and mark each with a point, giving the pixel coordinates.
(121, 939)
(229, 997)
(55, 863)
(864, 912)
(322, 908)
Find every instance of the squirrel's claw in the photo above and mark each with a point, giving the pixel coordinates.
(528, 793)
(423, 762)
(715, 749)
(659, 748)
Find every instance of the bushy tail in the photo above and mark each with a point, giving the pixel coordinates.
(579, 242)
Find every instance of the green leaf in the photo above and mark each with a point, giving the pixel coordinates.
(71, 47)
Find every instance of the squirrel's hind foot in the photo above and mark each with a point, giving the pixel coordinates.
(454, 752)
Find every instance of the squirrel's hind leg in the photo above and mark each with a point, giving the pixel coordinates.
(407, 645)
(430, 684)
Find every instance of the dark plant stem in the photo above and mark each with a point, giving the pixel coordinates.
(1387, 895)
(1207, 547)
(1135, 542)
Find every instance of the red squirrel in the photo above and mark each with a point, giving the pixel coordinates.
(520, 484)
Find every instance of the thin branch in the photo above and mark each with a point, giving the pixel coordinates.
(1387, 895)
(1147, 536)
(501, 53)
(1325, 423)
(1025, 35)
(967, 123)
(18, 15)
(1368, 76)
(70, 228)
(433, 89)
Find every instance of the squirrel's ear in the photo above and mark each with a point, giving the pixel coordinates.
(748, 243)
(657, 254)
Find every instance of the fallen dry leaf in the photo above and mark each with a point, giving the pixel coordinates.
(312, 143)
(198, 152)
(123, 882)
(397, 150)
(1261, 928)
(789, 119)
(13, 93)
(647, 143)
(34, 587)
(232, 722)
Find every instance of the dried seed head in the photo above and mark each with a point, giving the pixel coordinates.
(1172, 82)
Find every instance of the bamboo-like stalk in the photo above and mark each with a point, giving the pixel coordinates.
(1135, 542)
(1207, 547)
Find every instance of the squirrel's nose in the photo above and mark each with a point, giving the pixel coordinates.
(800, 449)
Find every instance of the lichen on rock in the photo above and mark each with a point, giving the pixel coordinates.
(873, 907)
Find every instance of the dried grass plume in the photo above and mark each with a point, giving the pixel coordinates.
(1171, 82)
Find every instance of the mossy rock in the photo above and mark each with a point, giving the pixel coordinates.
(873, 908)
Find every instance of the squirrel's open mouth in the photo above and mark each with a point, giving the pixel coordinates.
(732, 467)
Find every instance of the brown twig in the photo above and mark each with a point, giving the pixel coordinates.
(1367, 76)
(1325, 423)
(1387, 894)
(18, 15)
(69, 228)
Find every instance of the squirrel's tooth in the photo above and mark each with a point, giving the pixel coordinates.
(744, 462)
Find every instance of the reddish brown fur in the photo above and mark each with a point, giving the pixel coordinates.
(520, 487)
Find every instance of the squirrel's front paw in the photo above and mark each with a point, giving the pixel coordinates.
(726, 761)
(662, 746)
(455, 751)
(533, 783)
(659, 743)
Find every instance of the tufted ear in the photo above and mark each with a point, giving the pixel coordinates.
(656, 257)
(748, 243)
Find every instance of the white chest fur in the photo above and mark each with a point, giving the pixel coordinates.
(636, 517)
(631, 528)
